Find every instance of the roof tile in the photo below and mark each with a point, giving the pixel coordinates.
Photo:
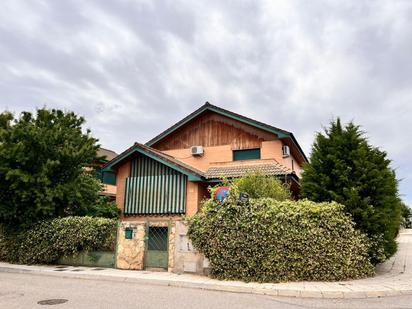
(242, 169)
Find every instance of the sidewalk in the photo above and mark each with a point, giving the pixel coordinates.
(393, 278)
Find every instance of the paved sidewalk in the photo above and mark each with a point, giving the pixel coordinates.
(394, 277)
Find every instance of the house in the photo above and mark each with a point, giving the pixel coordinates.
(165, 179)
(107, 178)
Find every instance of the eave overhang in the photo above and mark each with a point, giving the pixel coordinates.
(281, 134)
(191, 173)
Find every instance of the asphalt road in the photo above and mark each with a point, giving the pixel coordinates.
(26, 290)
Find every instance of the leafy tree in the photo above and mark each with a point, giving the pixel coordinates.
(102, 208)
(42, 166)
(345, 168)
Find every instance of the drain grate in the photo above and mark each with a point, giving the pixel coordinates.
(60, 269)
(77, 269)
(55, 301)
(97, 268)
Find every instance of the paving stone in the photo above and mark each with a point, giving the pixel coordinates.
(311, 294)
(332, 294)
(355, 294)
(288, 292)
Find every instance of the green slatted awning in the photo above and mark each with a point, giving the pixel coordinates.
(154, 189)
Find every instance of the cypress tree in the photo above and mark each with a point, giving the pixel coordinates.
(345, 168)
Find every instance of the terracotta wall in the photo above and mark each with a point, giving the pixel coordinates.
(221, 154)
(273, 150)
(288, 162)
(123, 171)
(109, 189)
(192, 198)
(211, 154)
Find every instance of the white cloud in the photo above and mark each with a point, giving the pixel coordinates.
(132, 68)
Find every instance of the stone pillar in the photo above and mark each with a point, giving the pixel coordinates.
(187, 259)
(130, 252)
(172, 247)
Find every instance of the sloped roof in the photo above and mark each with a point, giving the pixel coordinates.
(191, 172)
(107, 153)
(230, 171)
(282, 134)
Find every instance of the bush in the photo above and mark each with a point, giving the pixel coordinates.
(258, 185)
(272, 241)
(47, 241)
(406, 216)
(102, 208)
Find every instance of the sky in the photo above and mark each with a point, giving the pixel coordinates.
(133, 68)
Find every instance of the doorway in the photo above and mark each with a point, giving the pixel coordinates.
(157, 247)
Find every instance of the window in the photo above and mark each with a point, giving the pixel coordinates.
(109, 178)
(247, 154)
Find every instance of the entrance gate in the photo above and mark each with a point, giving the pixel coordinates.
(156, 255)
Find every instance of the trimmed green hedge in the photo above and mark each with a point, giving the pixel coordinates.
(272, 241)
(49, 240)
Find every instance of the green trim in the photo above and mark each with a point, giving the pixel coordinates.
(217, 110)
(251, 122)
(191, 176)
(281, 134)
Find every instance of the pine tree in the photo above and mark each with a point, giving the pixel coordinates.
(345, 168)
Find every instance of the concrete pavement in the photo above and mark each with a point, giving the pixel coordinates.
(21, 291)
(393, 278)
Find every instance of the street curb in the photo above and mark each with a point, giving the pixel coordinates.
(222, 286)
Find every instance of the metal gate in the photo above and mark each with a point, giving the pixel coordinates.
(157, 244)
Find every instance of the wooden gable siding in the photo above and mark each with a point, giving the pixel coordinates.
(211, 129)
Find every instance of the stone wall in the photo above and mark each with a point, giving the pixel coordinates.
(172, 247)
(187, 259)
(130, 252)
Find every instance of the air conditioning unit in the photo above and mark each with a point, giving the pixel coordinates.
(285, 151)
(197, 150)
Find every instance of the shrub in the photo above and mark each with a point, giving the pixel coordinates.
(406, 216)
(258, 185)
(272, 241)
(47, 241)
(102, 208)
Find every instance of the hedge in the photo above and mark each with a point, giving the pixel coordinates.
(266, 240)
(47, 241)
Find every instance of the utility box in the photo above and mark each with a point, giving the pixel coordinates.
(128, 233)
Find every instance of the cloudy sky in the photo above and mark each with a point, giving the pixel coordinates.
(133, 68)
